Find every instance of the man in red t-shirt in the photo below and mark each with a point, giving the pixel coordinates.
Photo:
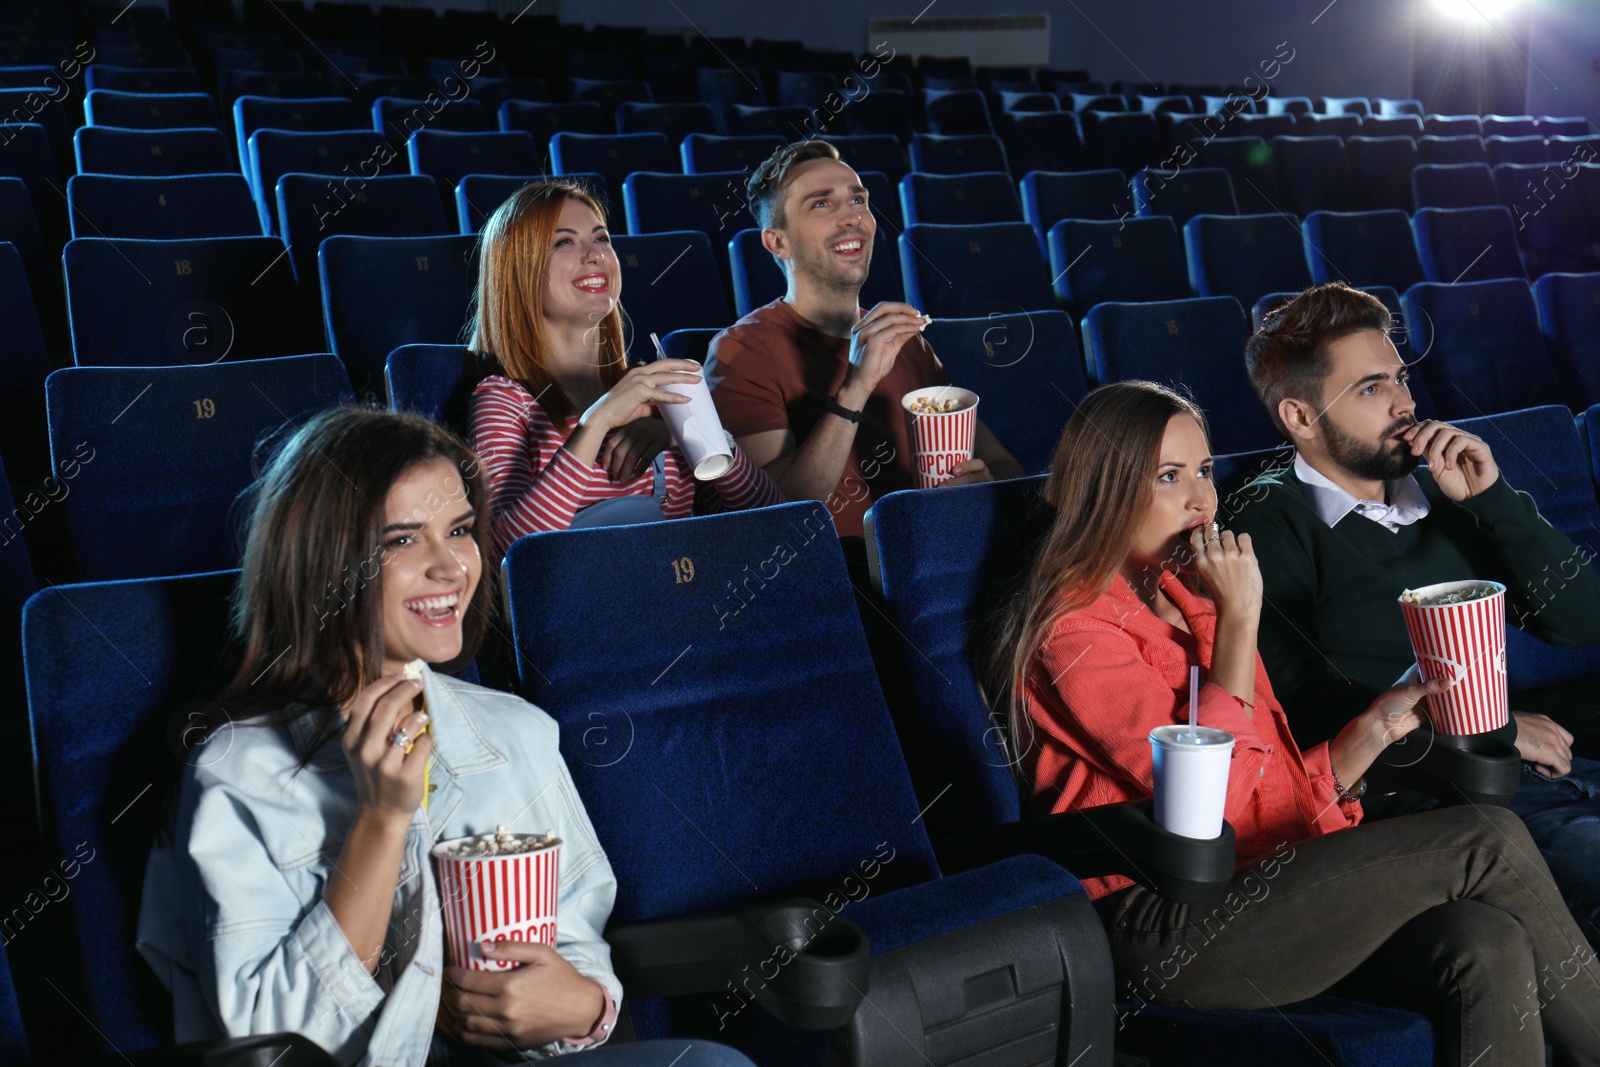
(809, 385)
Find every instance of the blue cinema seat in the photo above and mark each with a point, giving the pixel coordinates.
(959, 199)
(1485, 352)
(348, 155)
(1569, 315)
(114, 150)
(1245, 256)
(162, 208)
(166, 450)
(1181, 196)
(714, 799)
(1134, 259)
(1362, 248)
(971, 271)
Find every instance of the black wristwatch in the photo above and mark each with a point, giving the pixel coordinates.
(836, 408)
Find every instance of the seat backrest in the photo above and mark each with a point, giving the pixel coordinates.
(232, 84)
(1547, 203)
(959, 199)
(1479, 347)
(348, 154)
(314, 207)
(1362, 248)
(399, 119)
(159, 303)
(704, 153)
(114, 672)
(162, 208)
(688, 344)
(1245, 256)
(1193, 191)
(446, 156)
(946, 564)
(1048, 197)
(1286, 125)
(670, 281)
(149, 111)
(478, 195)
(1248, 161)
(166, 451)
(1453, 185)
(1390, 106)
(957, 153)
(142, 79)
(13, 1039)
(1134, 259)
(1465, 148)
(1467, 244)
(1452, 125)
(113, 150)
(1569, 315)
(673, 121)
(543, 121)
(379, 293)
(1392, 126)
(1510, 126)
(433, 380)
(878, 153)
(1192, 344)
(1540, 451)
(1289, 105)
(1028, 373)
(958, 113)
(972, 271)
(1312, 125)
(1516, 150)
(1128, 141)
(252, 113)
(1043, 141)
(766, 590)
(1346, 105)
(614, 155)
(1380, 171)
(1314, 174)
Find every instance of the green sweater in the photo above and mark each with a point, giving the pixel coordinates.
(1332, 634)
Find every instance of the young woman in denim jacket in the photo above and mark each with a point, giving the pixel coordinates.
(296, 891)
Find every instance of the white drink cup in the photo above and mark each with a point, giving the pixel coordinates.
(698, 430)
(1191, 779)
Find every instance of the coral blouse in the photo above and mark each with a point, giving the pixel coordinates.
(1108, 674)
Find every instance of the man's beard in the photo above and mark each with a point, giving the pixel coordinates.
(823, 271)
(1381, 462)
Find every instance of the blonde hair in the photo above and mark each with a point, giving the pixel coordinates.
(507, 322)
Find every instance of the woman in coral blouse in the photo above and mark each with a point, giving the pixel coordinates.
(563, 424)
(1452, 911)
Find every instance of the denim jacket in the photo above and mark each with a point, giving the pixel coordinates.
(233, 919)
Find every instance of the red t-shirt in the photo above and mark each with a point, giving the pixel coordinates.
(772, 370)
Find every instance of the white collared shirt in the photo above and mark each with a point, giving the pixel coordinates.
(1406, 503)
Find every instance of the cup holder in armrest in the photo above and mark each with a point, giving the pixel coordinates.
(1113, 839)
(805, 964)
(1456, 768)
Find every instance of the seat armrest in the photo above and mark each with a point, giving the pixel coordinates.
(804, 963)
(1458, 769)
(1112, 839)
(259, 1050)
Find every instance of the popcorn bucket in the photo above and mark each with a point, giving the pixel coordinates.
(499, 896)
(940, 440)
(1466, 641)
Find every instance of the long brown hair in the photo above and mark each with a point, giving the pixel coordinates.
(1101, 482)
(308, 606)
(508, 313)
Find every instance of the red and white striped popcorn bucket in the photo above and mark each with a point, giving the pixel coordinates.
(1465, 641)
(940, 440)
(508, 896)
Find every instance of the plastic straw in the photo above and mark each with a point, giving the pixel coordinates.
(661, 353)
(1194, 701)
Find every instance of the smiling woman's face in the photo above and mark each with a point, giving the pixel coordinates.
(582, 279)
(431, 565)
(1182, 497)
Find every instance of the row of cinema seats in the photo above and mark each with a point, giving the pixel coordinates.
(1493, 344)
(964, 892)
(1476, 349)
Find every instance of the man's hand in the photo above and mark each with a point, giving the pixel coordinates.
(968, 472)
(875, 342)
(543, 1000)
(1543, 743)
(1460, 463)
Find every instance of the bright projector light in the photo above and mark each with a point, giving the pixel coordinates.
(1475, 10)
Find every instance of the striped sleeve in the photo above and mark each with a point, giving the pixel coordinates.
(744, 485)
(510, 433)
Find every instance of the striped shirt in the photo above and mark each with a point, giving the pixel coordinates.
(537, 485)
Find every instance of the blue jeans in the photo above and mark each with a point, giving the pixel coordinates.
(1563, 818)
(664, 1053)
